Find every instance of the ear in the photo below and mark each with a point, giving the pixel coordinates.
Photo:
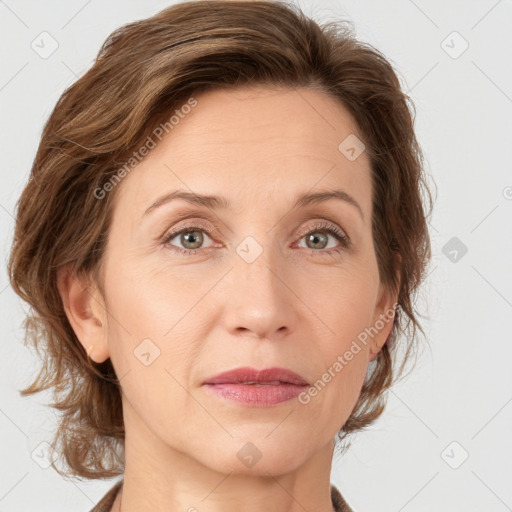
(384, 316)
(86, 312)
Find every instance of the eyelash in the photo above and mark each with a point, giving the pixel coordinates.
(344, 240)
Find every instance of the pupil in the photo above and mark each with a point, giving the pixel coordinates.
(315, 238)
(191, 234)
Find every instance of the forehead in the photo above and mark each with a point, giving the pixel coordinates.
(254, 144)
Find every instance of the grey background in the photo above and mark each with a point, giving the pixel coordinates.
(457, 403)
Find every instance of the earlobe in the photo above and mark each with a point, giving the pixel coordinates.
(85, 311)
(383, 322)
(382, 337)
(375, 349)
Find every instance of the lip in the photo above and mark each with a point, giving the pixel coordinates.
(257, 388)
(267, 375)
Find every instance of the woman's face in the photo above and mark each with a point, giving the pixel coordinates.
(264, 282)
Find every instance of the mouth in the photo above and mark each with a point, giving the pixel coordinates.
(260, 388)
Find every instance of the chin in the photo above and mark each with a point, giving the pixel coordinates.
(258, 454)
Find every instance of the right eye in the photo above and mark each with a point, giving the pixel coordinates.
(190, 235)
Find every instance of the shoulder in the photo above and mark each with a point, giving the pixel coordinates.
(106, 503)
(338, 502)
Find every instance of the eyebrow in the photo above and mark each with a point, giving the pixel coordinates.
(220, 202)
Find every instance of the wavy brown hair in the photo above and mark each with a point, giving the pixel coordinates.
(142, 73)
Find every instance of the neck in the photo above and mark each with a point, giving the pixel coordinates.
(163, 479)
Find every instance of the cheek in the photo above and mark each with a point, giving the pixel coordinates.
(149, 328)
(333, 396)
(149, 299)
(345, 352)
(343, 296)
(343, 375)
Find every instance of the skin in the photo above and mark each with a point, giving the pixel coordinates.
(295, 306)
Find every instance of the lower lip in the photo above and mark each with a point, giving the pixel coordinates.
(263, 395)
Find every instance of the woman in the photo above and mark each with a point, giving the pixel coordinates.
(221, 240)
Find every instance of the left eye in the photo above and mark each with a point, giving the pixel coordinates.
(321, 237)
(191, 238)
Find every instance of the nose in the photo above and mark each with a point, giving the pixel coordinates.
(259, 300)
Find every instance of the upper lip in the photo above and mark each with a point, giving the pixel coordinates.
(246, 375)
